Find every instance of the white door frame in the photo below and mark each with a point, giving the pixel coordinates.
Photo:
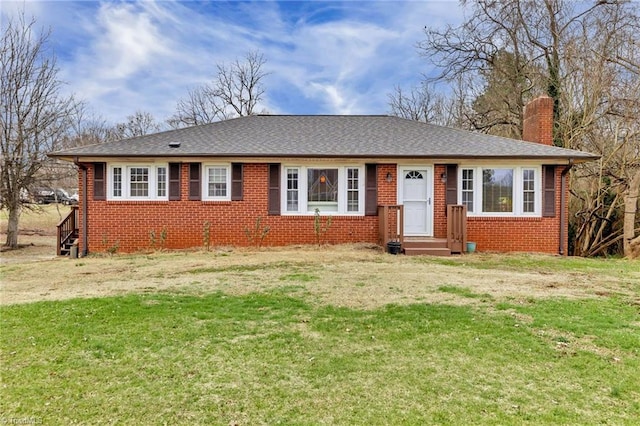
(402, 170)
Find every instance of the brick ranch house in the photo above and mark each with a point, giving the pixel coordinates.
(173, 185)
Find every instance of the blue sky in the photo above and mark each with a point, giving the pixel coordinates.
(322, 57)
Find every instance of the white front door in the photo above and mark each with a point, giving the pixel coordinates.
(416, 195)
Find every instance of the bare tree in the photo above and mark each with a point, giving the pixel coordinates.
(199, 107)
(236, 91)
(139, 124)
(419, 104)
(601, 106)
(424, 103)
(86, 128)
(585, 56)
(33, 112)
(519, 41)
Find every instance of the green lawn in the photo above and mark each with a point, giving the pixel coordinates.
(277, 357)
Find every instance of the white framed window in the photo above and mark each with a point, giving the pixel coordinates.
(117, 181)
(137, 182)
(330, 189)
(497, 190)
(529, 189)
(161, 182)
(293, 194)
(322, 189)
(216, 182)
(467, 189)
(353, 189)
(501, 191)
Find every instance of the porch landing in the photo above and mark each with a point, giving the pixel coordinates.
(416, 246)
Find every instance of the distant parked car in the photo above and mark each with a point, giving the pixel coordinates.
(63, 197)
(48, 196)
(44, 196)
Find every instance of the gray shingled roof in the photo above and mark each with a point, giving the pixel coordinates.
(323, 136)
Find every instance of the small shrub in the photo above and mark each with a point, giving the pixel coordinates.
(206, 235)
(152, 239)
(258, 233)
(111, 249)
(163, 237)
(318, 227)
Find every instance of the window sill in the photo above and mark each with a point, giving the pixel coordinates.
(217, 202)
(514, 218)
(323, 214)
(130, 201)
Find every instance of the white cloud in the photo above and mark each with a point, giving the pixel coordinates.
(331, 58)
(128, 41)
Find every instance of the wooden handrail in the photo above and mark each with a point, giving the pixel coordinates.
(66, 228)
(390, 224)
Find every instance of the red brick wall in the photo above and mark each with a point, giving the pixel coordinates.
(128, 224)
(439, 202)
(504, 234)
(387, 191)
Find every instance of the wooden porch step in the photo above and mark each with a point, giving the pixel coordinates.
(65, 250)
(424, 243)
(427, 251)
(421, 246)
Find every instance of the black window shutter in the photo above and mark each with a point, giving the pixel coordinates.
(236, 181)
(174, 181)
(549, 191)
(451, 187)
(99, 181)
(371, 190)
(194, 181)
(274, 189)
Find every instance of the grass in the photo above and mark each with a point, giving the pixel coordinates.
(345, 335)
(39, 218)
(541, 263)
(273, 358)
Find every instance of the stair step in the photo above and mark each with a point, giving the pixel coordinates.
(427, 251)
(65, 249)
(426, 243)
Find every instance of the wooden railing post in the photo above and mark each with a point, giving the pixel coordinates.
(59, 240)
(401, 224)
(457, 228)
(385, 226)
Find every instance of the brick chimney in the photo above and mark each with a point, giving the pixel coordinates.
(537, 125)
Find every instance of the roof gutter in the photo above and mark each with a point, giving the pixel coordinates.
(563, 208)
(83, 223)
(382, 157)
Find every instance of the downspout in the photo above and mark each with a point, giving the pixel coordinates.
(563, 205)
(84, 221)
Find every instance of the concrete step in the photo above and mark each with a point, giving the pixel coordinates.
(427, 251)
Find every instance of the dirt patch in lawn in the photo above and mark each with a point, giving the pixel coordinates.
(32, 247)
(37, 235)
(358, 276)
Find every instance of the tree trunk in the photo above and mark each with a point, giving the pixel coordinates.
(12, 227)
(630, 210)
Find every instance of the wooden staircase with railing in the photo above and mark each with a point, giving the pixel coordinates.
(68, 233)
(391, 219)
